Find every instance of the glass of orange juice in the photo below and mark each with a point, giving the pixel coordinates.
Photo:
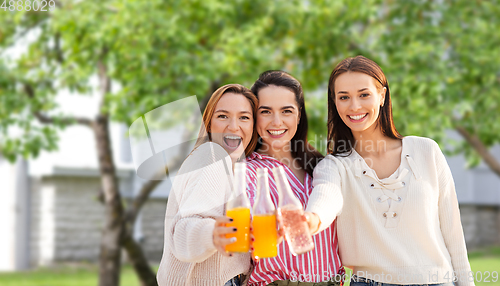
(265, 235)
(264, 219)
(238, 208)
(241, 221)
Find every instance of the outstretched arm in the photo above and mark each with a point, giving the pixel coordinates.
(326, 200)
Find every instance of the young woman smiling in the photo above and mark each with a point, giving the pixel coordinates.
(401, 222)
(282, 127)
(194, 251)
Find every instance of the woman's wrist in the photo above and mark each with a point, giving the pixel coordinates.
(313, 221)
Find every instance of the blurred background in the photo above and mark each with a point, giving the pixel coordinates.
(74, 78)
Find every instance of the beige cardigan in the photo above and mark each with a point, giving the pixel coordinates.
(198, 194)
(419, 240)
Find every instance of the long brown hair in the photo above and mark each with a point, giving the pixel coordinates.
(205, 135)
(304, 152)
(340, 138)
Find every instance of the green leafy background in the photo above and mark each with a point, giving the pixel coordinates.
(441, 58)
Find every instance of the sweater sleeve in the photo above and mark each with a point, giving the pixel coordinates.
(202, 200)
(326, 198)
(449, 218)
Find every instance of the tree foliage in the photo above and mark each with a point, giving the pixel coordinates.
(159, 51)
(441, 58)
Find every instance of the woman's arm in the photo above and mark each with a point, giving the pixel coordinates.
(193, 239)
(326, 200)
(449, 218)
(200, 202)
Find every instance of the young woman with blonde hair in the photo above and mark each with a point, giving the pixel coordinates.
(194, 224)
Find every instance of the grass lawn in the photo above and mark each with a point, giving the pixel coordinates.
(80, 275)
(86, 274)
(486, 260)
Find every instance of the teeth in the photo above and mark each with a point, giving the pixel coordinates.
(276, 132)
(357, 117)
(232, 137)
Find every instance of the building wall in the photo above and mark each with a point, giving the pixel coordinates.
(78, 218)
(67, 221)
(152, 224)
(36, 218)
(14, 215)
(481, 225)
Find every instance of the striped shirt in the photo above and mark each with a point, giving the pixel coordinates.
(320, 264)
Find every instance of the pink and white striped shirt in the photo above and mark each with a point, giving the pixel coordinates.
(320, 264)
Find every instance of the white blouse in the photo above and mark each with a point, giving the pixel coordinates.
(404, 229)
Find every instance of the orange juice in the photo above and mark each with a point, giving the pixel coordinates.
(264, 232)
(241, 220)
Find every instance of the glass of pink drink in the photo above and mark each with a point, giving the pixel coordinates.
(296, 229)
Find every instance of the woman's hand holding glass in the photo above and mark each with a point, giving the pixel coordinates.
(313, 221)
(219, 234)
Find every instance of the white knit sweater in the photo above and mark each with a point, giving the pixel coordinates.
(198, 195)
(417, 238)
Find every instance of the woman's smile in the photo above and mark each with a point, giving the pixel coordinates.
(277, 133)
(357, 118)
(358, 100)
(232, 142)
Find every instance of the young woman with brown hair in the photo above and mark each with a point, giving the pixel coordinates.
(282, 127)
(393, 197)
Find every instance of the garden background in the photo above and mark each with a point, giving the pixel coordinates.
(73, 79)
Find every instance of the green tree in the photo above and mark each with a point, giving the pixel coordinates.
(441, 58)
(146, 54)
